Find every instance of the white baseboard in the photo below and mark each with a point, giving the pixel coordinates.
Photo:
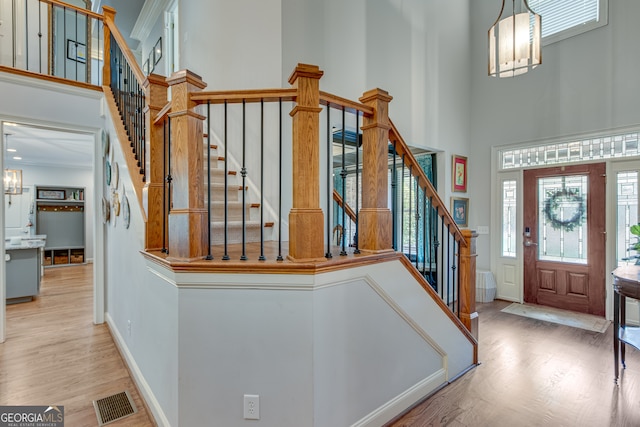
(392, 408)
(143, 386)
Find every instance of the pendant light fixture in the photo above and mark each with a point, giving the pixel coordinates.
(515, 42)
(12, 177)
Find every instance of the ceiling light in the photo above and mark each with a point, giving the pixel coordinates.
(515, 42)
(17, 158)
(11, 150)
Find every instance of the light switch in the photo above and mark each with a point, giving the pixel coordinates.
(483, 229)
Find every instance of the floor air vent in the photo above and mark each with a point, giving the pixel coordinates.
(112, 408)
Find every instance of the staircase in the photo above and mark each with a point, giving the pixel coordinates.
(236, 211)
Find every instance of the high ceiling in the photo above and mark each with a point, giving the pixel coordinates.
(47, 147)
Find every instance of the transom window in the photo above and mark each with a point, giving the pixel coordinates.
(567, 18)
(580, 150)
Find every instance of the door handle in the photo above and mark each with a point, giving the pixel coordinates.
(529, 243)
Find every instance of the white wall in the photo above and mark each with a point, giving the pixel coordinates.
(232, 45)
(141, 309)
(585, 84)
(349, 347)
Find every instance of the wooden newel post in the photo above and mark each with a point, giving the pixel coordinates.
(374, 218)
(109, 14)
(188, 218)
(468, 314)
(306, 219)
(155, 88)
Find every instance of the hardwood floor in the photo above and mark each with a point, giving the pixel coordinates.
(535, 373)
(532, 373)
(55, 355)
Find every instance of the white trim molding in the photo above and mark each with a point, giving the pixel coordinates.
(149, 14)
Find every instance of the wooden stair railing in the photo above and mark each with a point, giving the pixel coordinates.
(137, 99)
(464, 298)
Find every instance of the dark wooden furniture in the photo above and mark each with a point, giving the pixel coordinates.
(626, 284)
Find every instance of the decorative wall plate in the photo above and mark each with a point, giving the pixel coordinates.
(106, 210)
(126, 213)
(107, 171)
(115, 203)
(105, 143)
(115, 175)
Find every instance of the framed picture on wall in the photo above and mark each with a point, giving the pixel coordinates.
(460, 211)
(76, 51)
(459, 174)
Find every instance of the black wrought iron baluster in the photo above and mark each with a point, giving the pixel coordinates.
(75, 41)
(410, 207)
(456, 276)
(280, 180)
(169, 179)
(225, 257)
(433, 231)
(357, 235)
(425, 216)
(64, 23)
(261, 257)
(243, 173)
(343, 174)
(402, 206)
(209, 255)
(440, 252)
(394, 200)
(26, 32)
(417, 216)
(329, 186)
(449, 273)
(40, 38)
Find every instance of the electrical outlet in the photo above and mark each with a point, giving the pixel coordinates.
(129, 327)
(251, 407)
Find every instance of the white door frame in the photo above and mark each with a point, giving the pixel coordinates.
(98, 230)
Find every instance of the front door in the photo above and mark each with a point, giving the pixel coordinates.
(564, 237)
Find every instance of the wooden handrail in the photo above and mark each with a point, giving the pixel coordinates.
(347, 209)
(162, 114)
(271, 95)
(331, 100)
(403, 148)
(250, 95)
(115, 32)
(87, 12)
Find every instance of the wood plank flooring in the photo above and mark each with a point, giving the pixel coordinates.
(532, 373)
(55, 355)
(536, 373)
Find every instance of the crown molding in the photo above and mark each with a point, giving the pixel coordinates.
(149, 14)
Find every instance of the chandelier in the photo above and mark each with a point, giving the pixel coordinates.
(12, 177)
(515, 42)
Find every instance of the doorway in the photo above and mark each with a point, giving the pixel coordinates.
(47, 154)
(564, 237)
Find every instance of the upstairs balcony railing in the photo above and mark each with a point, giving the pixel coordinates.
(54, 39)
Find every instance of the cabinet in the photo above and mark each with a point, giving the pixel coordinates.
(60, 215)
(626, 284)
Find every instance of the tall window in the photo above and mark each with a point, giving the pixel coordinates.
(509, 200)
(627, 213)
(567, 18)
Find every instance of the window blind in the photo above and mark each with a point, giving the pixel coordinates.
(558, 16)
